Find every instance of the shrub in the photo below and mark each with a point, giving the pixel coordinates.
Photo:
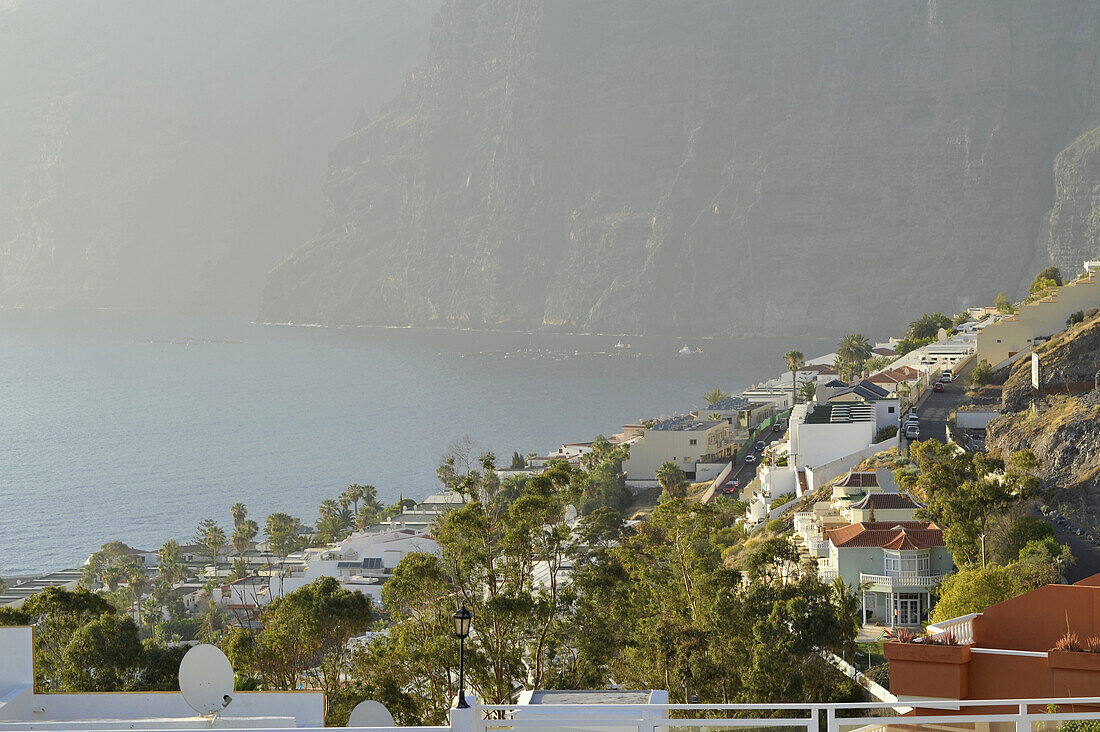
(1075, 318)
(1091, 313)
(1092, 644)
(906, 636)
(890, 430)
(775, 526)
(983, 373)
(1068, 642)
(782, 501)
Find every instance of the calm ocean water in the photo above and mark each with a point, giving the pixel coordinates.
(116, 426)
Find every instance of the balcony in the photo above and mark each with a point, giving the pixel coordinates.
(900, 582)
(827, 574)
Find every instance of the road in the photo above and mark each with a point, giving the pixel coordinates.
(745, 472)
(935, 408)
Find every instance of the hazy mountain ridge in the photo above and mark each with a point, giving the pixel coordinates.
(671, 165)
(166, 155)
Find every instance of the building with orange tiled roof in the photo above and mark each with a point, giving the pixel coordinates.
(897, 563)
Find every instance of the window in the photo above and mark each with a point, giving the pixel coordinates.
(889, 410)
(692, 442)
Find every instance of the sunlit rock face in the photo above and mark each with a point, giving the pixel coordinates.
(704, 167)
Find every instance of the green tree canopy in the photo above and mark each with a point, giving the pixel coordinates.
(716, 395)
(854, 349)
(57, 614)
(304, 635)
(927, 326)
(102, 655)
(1045, 280)
(672, 479)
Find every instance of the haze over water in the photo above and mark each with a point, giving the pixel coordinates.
(117, 426)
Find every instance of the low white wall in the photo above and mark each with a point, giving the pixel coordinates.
(974, 419)
(709, 471)
(822, 474)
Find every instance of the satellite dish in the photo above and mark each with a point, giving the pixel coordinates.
(370, 714)
(206, 679)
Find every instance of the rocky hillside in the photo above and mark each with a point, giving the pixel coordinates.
(168, 154)
(710, 167)
(1062, 430)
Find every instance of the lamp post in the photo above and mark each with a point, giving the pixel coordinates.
(462, 630)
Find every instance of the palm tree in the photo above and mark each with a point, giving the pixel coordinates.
(354, 494)
(854, 349)
(367, 515)
(244, 534)
(370, 497)
(238, 512)
(795, 361)
(671, 479)
(715, 395)
(171, 566)
(327, 508)
(211, 536)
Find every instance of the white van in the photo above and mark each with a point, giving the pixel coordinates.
(945, 377)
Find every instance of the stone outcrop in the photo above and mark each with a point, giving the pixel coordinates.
(1063, 430)
(712, 168)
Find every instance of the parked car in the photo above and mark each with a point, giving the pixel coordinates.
(912, 431)
(913, 418)
(938, 386)
(750, 458)
(760, 445)
(778, 427)
(945, 377)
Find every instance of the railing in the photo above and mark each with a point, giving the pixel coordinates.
(803, 519)
(1028, 715)
(818, 547)
(827, 575)
(901, 580)
(961, 627)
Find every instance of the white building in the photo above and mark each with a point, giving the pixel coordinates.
(360, 562)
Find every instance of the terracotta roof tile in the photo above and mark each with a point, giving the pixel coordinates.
(887, 535)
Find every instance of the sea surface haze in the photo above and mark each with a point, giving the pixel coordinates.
(136, 428)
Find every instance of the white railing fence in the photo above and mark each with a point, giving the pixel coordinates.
(1026, 715)
(961, 627)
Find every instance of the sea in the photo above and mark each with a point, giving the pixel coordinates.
(133, 427)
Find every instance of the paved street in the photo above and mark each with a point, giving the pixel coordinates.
(935, 408)
(745, 472)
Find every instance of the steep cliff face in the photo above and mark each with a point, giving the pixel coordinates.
(704, 167)
(166, 155)
(1073, 234)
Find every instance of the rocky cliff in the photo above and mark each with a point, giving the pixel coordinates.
(167, 155)
(1062, 429)
(706, 167)
(1073, 233)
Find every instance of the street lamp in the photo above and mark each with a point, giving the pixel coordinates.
(462, 630)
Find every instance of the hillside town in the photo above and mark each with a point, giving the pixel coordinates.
(845, 471)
